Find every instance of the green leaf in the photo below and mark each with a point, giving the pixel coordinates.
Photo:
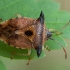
(29, 8)
(2, 66)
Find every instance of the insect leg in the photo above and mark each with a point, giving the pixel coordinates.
(12, 55)
(29, 52)
(28, 61)
(47, 48)
(19, 16)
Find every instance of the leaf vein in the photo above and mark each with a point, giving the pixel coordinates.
(9, 5)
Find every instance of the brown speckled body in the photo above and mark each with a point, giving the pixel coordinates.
(13, 32)
(26, 33)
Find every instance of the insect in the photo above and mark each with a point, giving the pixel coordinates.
(26, 33)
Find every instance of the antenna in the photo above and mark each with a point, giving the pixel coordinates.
(61, 46)
(65, 25)
(58, 32)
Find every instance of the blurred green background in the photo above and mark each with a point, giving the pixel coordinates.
(54, 59)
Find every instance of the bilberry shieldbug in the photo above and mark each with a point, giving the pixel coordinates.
(26, 33)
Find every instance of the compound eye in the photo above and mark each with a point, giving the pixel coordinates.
(49, 34)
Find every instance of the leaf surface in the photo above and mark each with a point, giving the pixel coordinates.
(2, 66)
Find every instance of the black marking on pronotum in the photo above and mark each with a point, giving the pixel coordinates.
(28, 33)
(40, 26)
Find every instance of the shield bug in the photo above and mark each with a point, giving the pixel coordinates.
(26, 33)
